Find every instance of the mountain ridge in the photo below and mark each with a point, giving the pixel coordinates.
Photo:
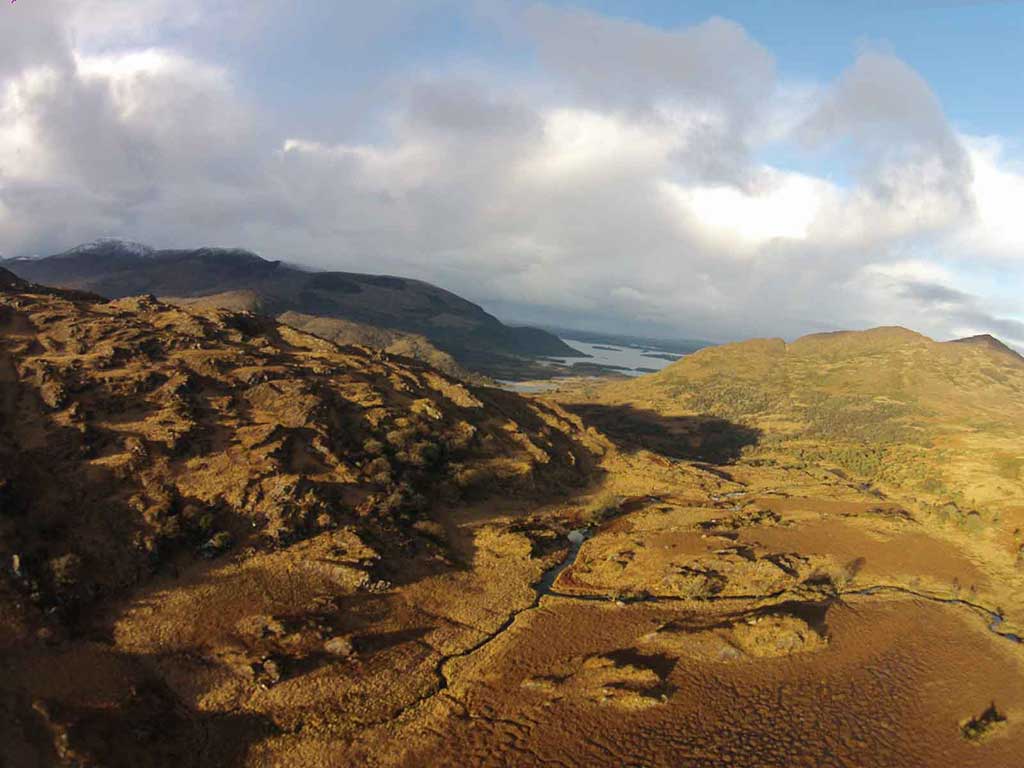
(457, 326)
(990, 341)
(938, 421)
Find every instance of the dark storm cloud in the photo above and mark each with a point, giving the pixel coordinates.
(932, 293)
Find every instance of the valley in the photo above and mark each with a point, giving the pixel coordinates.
(511, 384)
(269, 549)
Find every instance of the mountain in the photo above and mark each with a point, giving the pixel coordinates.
(11, 283)
(117, 268)
(225, 541)
(173, 407)
(262, 486)
(337, 329)
(991, 342)
(940, 421)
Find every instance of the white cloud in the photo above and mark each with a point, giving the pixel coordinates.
(580, 142)
(739, 219)
(22, 156)
(997, 189)
(624, 187)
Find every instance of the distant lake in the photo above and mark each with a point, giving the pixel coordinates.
(629, 360)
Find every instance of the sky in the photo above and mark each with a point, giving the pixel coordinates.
(700, 170)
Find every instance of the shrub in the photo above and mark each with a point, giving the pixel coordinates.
(216, 545)
(601, 507)
(65, 571)
(379, 471)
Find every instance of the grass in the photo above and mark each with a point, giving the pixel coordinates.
(932, 422)
(1009, 467)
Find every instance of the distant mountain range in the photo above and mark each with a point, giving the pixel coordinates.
(119, 268)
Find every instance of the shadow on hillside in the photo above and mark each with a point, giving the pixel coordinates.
(142, 723)
(694, 438)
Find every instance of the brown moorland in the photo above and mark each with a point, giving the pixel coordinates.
(228, 542)
(206, 517)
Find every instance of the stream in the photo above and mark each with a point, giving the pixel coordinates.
(545, 588)
(547, 581)
(995, 620)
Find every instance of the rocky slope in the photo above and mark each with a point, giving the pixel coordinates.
(141, 443)
(338, 330)
(117, 269)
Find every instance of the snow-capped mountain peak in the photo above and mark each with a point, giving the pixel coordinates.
(129, 247)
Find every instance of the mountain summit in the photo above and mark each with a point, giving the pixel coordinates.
(109, 245)
(939, 420)
(119, 268)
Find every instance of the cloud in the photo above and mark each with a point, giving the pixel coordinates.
(914, 172)
(710, 82)
(620, 184)
(997, 187)
(934, 294)
(963, 311)
(715, 65)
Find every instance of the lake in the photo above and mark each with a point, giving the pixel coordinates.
(627, 359)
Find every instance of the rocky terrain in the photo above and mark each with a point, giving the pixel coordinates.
(116, 268)
(198, 506)
(339, 331)
(227, 542)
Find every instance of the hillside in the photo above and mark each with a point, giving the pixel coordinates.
(255, 476)
(336, 329)
(227, 542)
(117, 269)
(393, 342)
(939, 422)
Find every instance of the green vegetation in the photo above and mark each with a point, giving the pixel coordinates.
(857, 418)
(937, 421)
(725, 397)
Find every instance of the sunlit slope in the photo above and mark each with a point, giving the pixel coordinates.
(941, 421)
(134, 432)
(238, 279)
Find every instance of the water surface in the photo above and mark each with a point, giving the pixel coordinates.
(629, 360)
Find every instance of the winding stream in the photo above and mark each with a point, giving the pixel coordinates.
(995, 619)
(545, 588)
(547, 581)
(542, 588)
